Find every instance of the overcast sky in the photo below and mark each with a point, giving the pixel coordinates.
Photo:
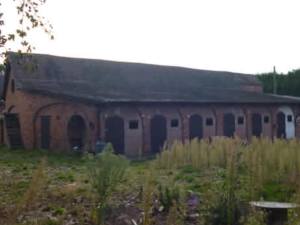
(248, 36)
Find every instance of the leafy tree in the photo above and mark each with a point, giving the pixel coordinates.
(287, 84)
(29, 18)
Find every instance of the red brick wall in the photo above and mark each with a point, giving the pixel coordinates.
(133, 139)
(60, 115)
(31, 107)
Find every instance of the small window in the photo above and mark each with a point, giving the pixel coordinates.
(133, 124)
(289, 118)
(266, 119)
(12, 86)
(209, 122)
(174, 123)
(240, 120)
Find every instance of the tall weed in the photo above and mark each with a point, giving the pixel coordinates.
(106, 172)
(261, 169)
(148, 192)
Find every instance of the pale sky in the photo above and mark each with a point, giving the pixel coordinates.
(248, 36)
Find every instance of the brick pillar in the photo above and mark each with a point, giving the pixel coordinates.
(146, 134)
(26, 126)
(185, 127)
(219, 122)
(273, 122)
(101, 125)
(248, 123)
(297, 121)
(297, 127)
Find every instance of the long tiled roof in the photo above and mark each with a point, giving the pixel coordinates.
(101, 81)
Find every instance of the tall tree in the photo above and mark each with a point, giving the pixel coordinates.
(287, 84)
(28, 18)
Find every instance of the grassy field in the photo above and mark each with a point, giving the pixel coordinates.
(195, 183)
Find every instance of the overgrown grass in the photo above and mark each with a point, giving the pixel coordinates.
(239, 172)
(224, 175)
(262, 163)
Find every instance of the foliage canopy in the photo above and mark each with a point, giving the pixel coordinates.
(29, 18)
(287, 84)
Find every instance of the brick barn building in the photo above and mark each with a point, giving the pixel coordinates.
(57, 103)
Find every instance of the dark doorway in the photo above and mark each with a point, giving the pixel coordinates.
(281, 125)
(45, 132)
(76, 132)
(196, 127)
(13, 129)
(114, 133)
(158, 130)
(229, 125)
(256, 125)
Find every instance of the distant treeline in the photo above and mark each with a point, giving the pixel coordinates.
(287, 84)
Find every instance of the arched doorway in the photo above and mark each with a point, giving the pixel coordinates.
(196, 127)
(281, 125)
(158, 132)
(114, 133)
(76, 132)
(228, 125)
(285, 123)
(256, 122)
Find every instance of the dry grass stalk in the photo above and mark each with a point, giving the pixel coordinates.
(263, 160)
(147, 198)
(173, 217)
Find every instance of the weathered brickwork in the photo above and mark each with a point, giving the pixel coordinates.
(30, 108)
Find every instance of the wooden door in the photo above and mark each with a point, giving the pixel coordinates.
(77, 132)
(281, 125)
(256, 122)
(158, 132)
(45, 132)
(229, 125)
(196, 127)
(13, 130)
(114, 133)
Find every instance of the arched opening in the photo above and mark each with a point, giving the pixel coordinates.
(158, 132)
(45, 132)
(285, 123)
(196, 127)
(76, 132)
(281, 125)
(13, 130)
(228, 125)
(256, 122)
(114, 133)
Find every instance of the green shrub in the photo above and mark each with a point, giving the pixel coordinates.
(168, 196)
(106, 172)
(59, 211)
